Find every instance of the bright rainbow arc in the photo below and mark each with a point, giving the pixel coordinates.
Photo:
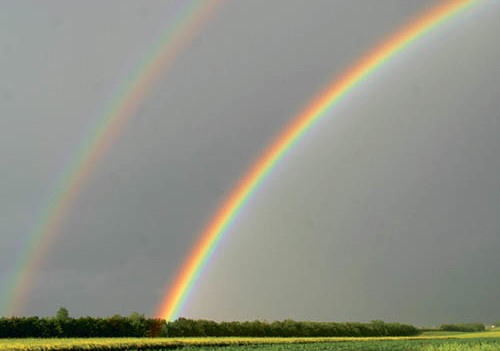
(199, 256)
(187, 24)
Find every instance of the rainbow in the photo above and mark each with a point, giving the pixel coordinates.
(167, 48)
(176, 296)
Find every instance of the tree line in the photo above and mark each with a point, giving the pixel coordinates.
(471, 327)
(286, 328)
(52, 327)
(137, 325)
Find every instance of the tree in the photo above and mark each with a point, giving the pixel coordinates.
(62, 314)
(138, 323)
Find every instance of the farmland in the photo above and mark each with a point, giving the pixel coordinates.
(427, 342)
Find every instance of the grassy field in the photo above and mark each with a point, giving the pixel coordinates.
(379, 345)
(487, 341)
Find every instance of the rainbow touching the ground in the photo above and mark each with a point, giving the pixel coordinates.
(167, 48)
(180, 289)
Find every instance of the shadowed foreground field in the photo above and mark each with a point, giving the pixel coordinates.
(487, 341)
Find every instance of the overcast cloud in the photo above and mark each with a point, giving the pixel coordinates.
(387, 209)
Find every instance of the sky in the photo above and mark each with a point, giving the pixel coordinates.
(386, 209)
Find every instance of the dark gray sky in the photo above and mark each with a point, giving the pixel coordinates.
(387, 209)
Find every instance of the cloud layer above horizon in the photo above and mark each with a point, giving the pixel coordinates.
(386, 210)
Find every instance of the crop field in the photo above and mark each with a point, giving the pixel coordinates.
(487, 341)
(374, 345)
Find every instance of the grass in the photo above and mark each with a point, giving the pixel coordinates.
(428, 341)
(374, 345)
(441, 333)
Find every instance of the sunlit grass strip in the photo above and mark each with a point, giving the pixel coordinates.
(167, 343)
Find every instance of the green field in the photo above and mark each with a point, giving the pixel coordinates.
(487, 341)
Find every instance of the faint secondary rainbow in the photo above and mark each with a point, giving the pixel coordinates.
(167, 48)
(179, 291)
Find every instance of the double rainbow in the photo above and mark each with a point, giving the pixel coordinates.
(198, 258)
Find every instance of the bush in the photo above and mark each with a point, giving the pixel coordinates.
(472, 327)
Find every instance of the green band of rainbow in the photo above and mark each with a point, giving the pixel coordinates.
(179, 291)
(167, 48)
